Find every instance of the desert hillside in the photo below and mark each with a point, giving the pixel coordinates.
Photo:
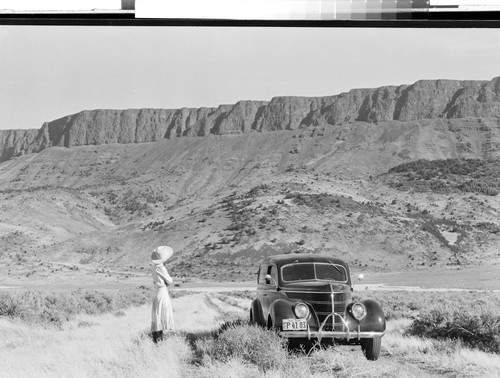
(391, 179)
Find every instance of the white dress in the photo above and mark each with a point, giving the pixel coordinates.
(162, 318)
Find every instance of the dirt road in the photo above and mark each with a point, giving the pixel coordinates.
(204, 311)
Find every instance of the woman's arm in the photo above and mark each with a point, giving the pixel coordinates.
(162, 272)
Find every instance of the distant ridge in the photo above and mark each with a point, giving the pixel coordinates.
(425, 99)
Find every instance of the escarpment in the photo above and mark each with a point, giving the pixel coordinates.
(425, 99)
(16, 142)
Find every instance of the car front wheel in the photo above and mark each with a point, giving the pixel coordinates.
(371, 348)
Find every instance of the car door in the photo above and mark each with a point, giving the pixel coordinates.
(262, 289)
(272, 287)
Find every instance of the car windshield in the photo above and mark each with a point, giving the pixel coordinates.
(313, 271)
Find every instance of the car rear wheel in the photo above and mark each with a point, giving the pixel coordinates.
(371, 348)
(270, 324)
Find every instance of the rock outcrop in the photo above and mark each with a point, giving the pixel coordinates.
(16, 142)
(425, 99)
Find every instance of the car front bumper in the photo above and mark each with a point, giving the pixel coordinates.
(345, 334)
(351, 335)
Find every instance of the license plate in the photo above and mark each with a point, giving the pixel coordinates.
(294, 324)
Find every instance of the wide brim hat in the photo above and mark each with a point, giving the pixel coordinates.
(161, 254)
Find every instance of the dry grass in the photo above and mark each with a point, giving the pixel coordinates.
(112, 345)
(438, 357)
(408, 304)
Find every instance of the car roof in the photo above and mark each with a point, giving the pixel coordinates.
(290, 258)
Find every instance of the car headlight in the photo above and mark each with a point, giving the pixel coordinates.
(301, 310)
(358, 311)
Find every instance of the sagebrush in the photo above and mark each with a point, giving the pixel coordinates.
(58, 307)
(478, 327)
(250, 343)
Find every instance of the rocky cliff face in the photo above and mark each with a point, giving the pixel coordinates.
(16, 142)
(426, 99)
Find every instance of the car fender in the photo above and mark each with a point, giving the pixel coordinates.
(256, 309)
(375, 318)
(283, 309)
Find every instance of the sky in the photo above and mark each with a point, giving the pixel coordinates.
(47, 72)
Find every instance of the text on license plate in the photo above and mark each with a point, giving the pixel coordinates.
(294, 324)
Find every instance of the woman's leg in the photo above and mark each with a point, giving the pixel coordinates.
(157, 336)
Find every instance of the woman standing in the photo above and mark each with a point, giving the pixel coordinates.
(161, 311)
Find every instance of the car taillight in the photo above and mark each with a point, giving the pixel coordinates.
(358, 311)
(301, 310)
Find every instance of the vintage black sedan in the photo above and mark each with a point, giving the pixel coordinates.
(309, 297)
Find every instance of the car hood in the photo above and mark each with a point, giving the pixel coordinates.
(314, 286)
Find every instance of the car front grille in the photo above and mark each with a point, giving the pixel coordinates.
(322, 304)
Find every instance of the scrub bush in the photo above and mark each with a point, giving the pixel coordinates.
(249, 343)
(448, 175)
(477, 328)
(58, 307)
